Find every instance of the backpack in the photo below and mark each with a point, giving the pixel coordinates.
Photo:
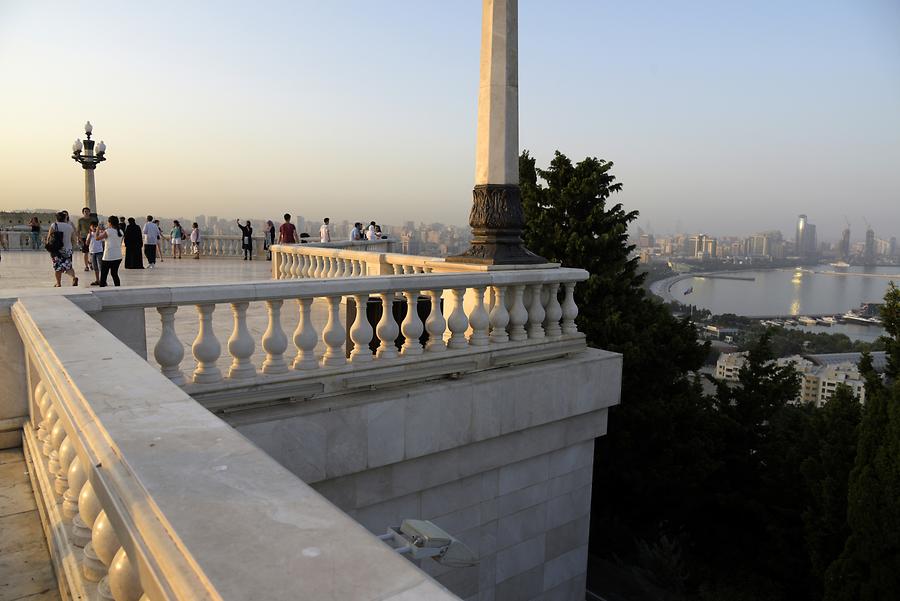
(54, 242)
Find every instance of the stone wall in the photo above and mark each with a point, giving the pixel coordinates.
(501, 459)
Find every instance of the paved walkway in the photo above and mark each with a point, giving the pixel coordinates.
(30, 270)
(25, 570)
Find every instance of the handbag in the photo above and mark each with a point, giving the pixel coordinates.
(54, 243)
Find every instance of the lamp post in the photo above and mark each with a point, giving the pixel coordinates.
(89, 161)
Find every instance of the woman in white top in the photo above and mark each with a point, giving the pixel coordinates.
(112, 252)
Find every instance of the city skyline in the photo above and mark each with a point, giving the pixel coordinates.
(709, 112)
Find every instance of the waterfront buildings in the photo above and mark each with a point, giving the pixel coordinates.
(820, 375)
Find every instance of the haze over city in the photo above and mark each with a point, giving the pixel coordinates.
(728, 118)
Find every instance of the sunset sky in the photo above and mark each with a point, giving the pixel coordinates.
(720, 116)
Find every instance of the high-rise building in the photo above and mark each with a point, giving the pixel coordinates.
(800, 238)
(869, 253)
(844, 249)
(810, 241)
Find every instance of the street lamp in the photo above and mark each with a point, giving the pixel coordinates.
(89, 161)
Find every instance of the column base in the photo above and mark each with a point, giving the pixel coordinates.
(497, 221)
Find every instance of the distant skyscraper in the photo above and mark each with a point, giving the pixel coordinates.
(845, 244)
(892, 246)
(869, 254)
(805, 240)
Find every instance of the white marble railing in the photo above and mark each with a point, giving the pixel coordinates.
(469, 315)
(298, 261)
(230, 246)
(146, 496)
(20, 238)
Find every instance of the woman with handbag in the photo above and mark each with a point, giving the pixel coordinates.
(59, 245)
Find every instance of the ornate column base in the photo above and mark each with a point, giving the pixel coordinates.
(497, 220)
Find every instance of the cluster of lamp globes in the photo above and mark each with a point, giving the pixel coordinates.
(77, 145)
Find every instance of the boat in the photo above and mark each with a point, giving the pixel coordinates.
(851, 317)
(807, 321)
(827, 320)
(840, 264)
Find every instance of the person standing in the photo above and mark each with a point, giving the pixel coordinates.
(370, 233)
(287, 233)
(84, 229)
(355, 233)
(112, 252)
(151, 237)
(159, 239)
(95, 246)
(246, 239)
(60, 239)
(35, 224)
(133, 243)
(325, 231)
(269, 239)
(176, 236)
(195, 240)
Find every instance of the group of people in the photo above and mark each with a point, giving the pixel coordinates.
(372, 232)
(105, 246)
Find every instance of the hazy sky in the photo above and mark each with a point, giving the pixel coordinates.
(720, 115)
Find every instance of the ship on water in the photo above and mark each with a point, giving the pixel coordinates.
(840, 265)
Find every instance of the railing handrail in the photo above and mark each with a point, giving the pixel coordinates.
(164, 296)
(169, 476)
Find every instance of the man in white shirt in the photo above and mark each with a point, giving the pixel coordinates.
(370, 234)
(151, 238)
(324, 231)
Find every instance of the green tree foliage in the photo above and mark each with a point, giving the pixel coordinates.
(648, 467)
(868, 569)
(827, 473)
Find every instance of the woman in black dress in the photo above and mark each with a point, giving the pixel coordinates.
(269, 240)
(134, 243)
(246, 239)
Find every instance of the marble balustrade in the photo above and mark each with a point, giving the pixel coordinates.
(466, 315)
(230, 246)
(300, 261)
(146, 496)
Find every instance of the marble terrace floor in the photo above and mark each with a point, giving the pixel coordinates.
(25, 569)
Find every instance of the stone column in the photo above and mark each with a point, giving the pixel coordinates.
(496, 217)
(90, 191)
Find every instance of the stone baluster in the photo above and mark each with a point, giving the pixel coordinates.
(361, 331)
(52, 420)
(48, 418)
(296, 268)
(412, 326)
(317, 269)
(169, 351)
(306, 266)
(553, 312)
(277, 265)
(435, 325)
(305, 337)
(499, 316)
(98, 553)
(57, 435)
(407, 269)
(66, 454)
(106, 544)
(241, 345)
(274, 341)
(35, 407)
(479, 320)
(329, 273)
(124, 583)
(83, 529)
(518, 315)
(206, 348)
(357, 268)
(387, 328)
(77, 478)
(363, 267)
(536, 313)
(457, 322)
(569, 310)
(398, 269)
(334, 333)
